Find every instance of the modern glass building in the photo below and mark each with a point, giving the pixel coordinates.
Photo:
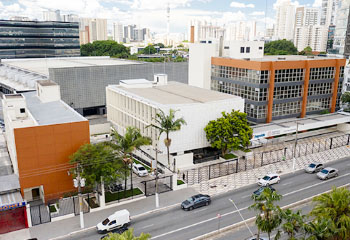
(34, 39)
(276, 87)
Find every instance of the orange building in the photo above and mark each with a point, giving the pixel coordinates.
(276, 87)
(42, 132)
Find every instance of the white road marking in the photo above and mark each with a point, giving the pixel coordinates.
(284, 184)
(229, 213)
(201, 210)
(147, 226)
(247, 196)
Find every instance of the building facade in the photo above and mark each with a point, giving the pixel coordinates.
(276, 87)
(136, 103)
(285, 18)
(42, 132)
(32, 39)
(118, 32)
(341, 44)
(329, 12)
(95, 28)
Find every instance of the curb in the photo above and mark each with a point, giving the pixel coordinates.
(250, 220)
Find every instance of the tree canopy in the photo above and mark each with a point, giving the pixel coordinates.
(229, 132)
(97, 160)
(104, 48)
(280, 47)
(128, 235)
(306, 51)
(150, 49)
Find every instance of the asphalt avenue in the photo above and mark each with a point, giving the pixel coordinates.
(178, 224)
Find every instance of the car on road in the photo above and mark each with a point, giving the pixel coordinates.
(139, 170)
(261, 189)
(269, 179)
(196, 201)
(117, 220)
(314, 167)
(117, 230)
(327, 172)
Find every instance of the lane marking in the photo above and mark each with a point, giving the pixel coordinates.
(229, 213)
(247, 196)
(147, 226)
(200, 210)
(284, 184)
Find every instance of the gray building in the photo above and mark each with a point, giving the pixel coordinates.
(35, 39)
(83, 80)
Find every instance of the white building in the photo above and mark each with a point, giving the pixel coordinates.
(50, 15)
(70, 18)
(94, 28)
(308, 31)
(341, 44)
(204, 30)
(118, 32)
(199, 68)
(242, 31)
(285, 18)
(329, 12)
(136, 102)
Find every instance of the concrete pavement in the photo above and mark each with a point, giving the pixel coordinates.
(178, 224)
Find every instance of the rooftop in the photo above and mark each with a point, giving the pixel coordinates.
(42, 65)
(176, 93)
(9, 183)
(46, 83)
(48, 113)
(275, 58)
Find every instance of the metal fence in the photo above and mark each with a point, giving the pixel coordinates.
(165, 184)
(40, 214)
(257, 159)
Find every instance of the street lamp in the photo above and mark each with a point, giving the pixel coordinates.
(241, 216)
(295, 143)
(79, 183)
(156, 173)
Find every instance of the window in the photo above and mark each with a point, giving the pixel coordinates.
(242, 49)
(226, 47)
(22, 110)
(247, 49)
(260, 48)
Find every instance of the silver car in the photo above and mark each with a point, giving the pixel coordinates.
(327, 173)
(314, 167)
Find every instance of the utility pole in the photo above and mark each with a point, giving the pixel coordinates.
(78, 183)
(295, 144)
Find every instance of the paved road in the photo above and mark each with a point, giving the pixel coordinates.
(178, 224)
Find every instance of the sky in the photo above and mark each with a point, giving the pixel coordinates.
(152, 13)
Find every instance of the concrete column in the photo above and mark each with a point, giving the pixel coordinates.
(102, 196)
(29, 216)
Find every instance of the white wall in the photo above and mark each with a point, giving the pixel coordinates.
(232, 49)
(199, 72)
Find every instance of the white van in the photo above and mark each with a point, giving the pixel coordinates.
(116, 220)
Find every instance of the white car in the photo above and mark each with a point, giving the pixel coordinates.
(314, 167)
(139, 170)
(269, 179)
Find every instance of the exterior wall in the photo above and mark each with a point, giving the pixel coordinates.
(33, 39)
(123, 111)
(285, 20)
(341, 44)
(280, 89)
(85, 87)
(243, 49)
(43, 153)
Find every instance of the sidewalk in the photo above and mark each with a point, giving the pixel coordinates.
(241, 179)
(140, 206)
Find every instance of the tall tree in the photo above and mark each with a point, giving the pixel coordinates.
(104, 48)
(128, 235)
(293, 222)
(268, 216)
(280, 47)
(126, 144)
(97, 161)
(321, 229)
(150, 49)
(334, 206)
(167, 124)
(345, 100)
(230, 132)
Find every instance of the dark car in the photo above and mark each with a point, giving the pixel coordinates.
(117, 230)
(196, 201)
(261, 189)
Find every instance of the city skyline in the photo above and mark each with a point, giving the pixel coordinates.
(152, 14)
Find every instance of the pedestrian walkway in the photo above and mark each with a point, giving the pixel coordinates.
(234, 181)
(137, 207)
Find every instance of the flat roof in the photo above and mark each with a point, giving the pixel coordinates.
(49, 113)
(136, 81)
(10, 198)
(42, 65)
(9, 183)
(46, 83)
(275, 58)
(285, 126)
(176, 93)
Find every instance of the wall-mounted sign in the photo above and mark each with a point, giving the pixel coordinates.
(259, 135)
(12, 206)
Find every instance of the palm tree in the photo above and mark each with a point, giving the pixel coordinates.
(126, 144)
(268, 217)
(166, 124)
(293, 222)
(128, 235)
(335, 206)
(320, 229)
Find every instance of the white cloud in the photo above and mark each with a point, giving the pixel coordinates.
(317, 3)
(159, 4)
(241, 5)
(257, 13)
